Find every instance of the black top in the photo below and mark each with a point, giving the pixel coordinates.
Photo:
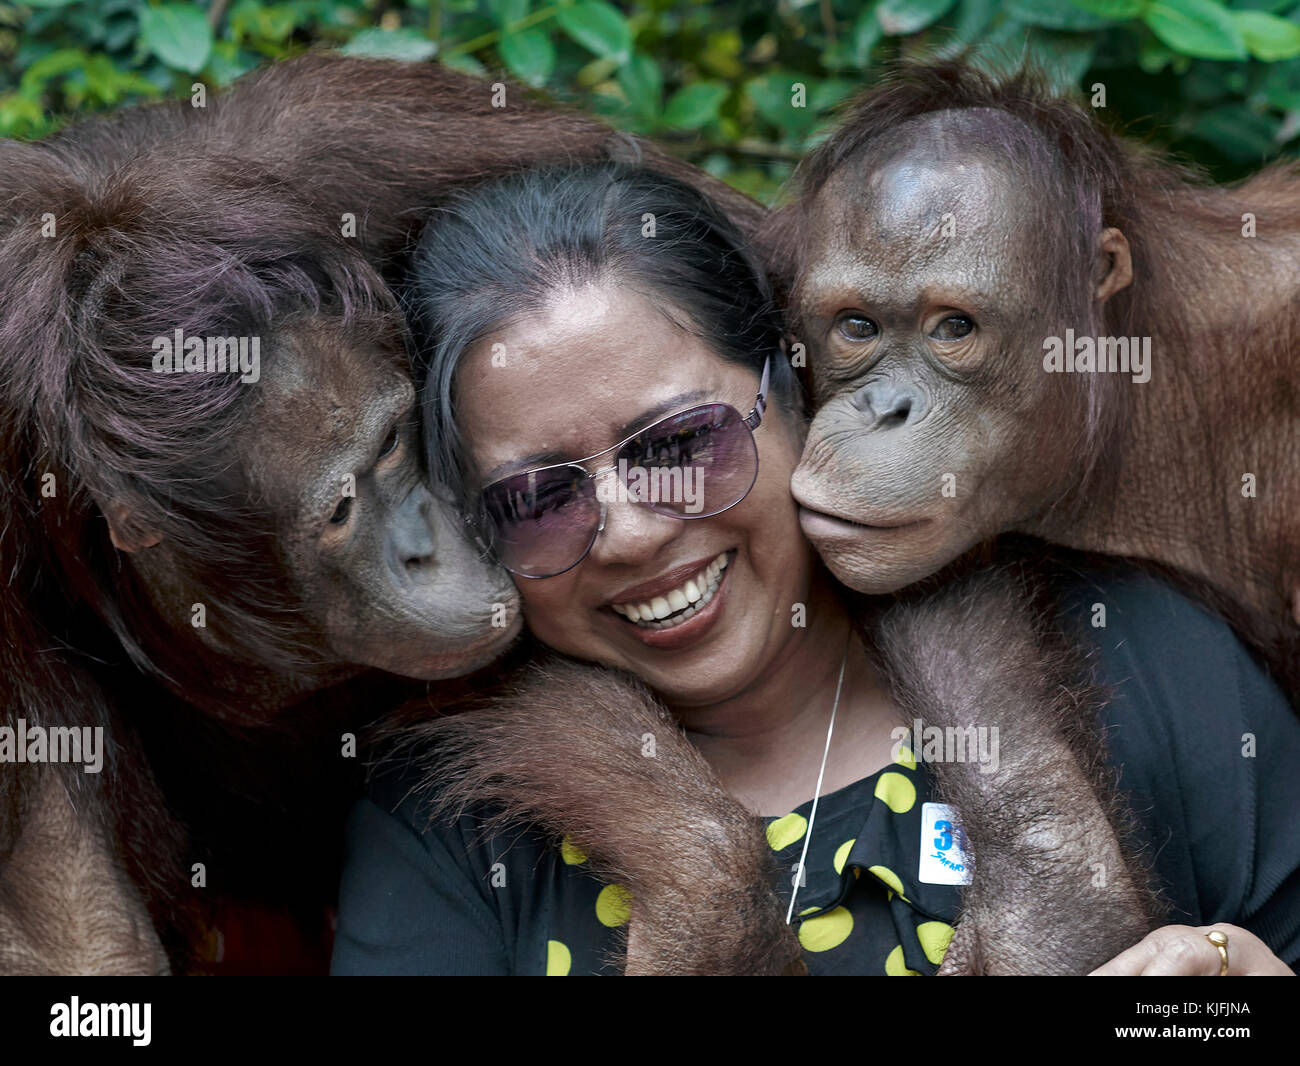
(1207, 749)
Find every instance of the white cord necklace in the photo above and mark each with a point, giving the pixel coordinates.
(812, 815)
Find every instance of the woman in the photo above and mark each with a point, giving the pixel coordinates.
(607, 386)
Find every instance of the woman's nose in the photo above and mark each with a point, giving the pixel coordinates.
(632, 532)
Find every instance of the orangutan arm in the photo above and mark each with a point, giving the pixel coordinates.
(590, 753)
(1052, 891)
(67, 906)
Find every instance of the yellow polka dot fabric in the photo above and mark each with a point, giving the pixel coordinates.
(861, 907)
(558, 959)
(613, 906)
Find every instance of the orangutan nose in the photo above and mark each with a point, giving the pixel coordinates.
(889, 405)
(412, 535)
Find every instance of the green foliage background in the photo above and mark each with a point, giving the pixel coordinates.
(1219, 82)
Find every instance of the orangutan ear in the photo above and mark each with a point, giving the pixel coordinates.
(1117, 264)
(125, 530)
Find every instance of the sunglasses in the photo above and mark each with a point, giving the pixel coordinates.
(693, 464)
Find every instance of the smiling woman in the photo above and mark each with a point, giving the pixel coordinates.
(617, 318)
(582, 325)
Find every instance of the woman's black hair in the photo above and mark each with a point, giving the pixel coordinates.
(498, 251)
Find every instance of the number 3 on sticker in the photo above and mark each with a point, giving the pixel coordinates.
(943, 858)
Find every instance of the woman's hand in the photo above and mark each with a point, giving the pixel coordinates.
(1184, 951)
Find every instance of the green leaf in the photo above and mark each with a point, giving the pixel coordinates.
(178, 34)
(262, 24)
(774, 97)
(505, 12)
(1263, 5)
(1153, 56)
(597, 26)
(1054, 14)
(47, 3)
(863, 37)
(1268, 37)
(20, 116)
(1204, 85)
(48, 67)
(826, 94)
(119, 32)
(899, 17)
(721, 54)
(693, 106)
(971, 18)
(529, 54)
(409, 44)
(1238, 132)
(1112, 9)
(643, 85)
(227, 63)
(1281, 87)
(465, 63)
(595, 72)
(1198, 28)
(1063, 58)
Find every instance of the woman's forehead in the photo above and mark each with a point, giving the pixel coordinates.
(566, 383)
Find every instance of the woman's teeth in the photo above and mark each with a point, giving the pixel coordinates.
(664, 612)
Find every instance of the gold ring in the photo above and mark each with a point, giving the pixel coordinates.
(1220, 940)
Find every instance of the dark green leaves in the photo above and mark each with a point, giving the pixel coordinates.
(741, 87)
(529, 54)
(1268, 37)
(1198, 28)
(693, 106)
(178, 34)
(599, 27)
(909, 16)
(409, 44)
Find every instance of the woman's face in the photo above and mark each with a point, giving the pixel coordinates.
(596, 365)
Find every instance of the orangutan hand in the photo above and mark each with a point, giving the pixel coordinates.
(1183, 951)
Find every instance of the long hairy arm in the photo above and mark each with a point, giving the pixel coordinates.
(1054, 889)
(591, 753)
(67, 906)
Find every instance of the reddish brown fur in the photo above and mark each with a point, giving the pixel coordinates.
(81, 630)
(381, 139)
(980, 650)
(226, 213)
(1158, 468)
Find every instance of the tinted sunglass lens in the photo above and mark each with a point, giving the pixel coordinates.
(544, 520)
(694, 464)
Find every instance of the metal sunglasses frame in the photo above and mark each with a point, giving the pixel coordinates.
(753, 420)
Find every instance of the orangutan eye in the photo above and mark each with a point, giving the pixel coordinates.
(856, 327)
(953, 328)
(390, 442)
(342, 511)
